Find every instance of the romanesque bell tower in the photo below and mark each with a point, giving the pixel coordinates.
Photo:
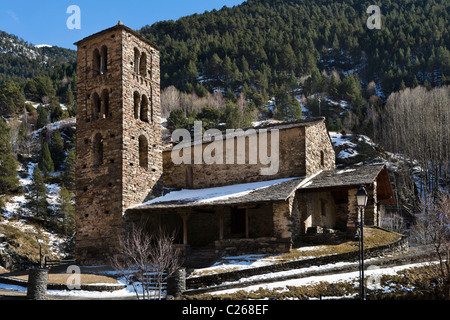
(119, 157)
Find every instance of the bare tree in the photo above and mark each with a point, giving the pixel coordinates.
(146, 260)
(433, 228)
(416, 124)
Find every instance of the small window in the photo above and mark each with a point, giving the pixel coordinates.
(137, 101)
(144, 108)
(98, 149)
(143, 152)
(136, 60)
(103, 60)
(322, 158)
(96, 106)
(143, 65)
(104, 109)
(96, 63)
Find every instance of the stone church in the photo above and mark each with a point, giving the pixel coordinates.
(124, 174)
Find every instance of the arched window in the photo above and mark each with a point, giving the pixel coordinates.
(103, 60)
(143, 152)
(96, 106)
(143, 65)
(98, 149)
(96, 63)
(105, 104)
(137, 101)
(136, 60)
(144, 108)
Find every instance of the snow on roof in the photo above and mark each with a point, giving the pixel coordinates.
(271, 190)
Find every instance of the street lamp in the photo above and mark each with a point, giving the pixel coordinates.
(361, 199)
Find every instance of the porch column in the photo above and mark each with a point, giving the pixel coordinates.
(221, 214)
(246, 224)
(185, 216)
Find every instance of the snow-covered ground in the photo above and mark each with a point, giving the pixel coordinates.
(372, 273)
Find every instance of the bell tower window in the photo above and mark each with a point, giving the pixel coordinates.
(136, 60)
(98, 149)
(143, 65)
(96, 62)
(143, 152)
(137, 101)
(103, 60)
(96, 106)
(104, 109)
(144, 108)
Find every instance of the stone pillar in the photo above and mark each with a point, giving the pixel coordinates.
(37, 284)
(176, 284)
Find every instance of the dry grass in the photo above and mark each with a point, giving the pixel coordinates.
(372, 238)
(61, 278)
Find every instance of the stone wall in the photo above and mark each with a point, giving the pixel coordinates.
(291, 163)
(264, 245)
(319, 151)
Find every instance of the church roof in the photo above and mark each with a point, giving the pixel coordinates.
(274, 190)
(262, 191)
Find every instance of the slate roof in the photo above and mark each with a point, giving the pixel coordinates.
(355, 176)
(264, 191)
(273, 190)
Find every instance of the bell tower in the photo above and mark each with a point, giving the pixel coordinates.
(119, 153)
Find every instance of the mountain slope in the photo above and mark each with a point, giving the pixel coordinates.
(254, 44)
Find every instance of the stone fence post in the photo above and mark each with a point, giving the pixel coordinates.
(37, 284)
(176, 284)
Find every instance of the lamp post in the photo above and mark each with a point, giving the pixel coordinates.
(361, 199)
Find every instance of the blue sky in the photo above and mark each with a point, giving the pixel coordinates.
(45, 21)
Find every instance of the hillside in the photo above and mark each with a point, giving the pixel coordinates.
(259, 46)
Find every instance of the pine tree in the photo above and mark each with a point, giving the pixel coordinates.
(8, 166)
(42, 117)
(37, 195)
(45, 160)
(69, 170)
(57, 150)
(66, 210)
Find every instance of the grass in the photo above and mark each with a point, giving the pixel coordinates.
(373, 237)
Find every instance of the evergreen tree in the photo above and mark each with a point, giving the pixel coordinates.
(66, 211)
(57, 150)
(42, 117)
(45, 160)
(176, 120)
(69, 170)
(9, 181)
(37, 195)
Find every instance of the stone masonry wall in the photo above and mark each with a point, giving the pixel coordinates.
(291, 164)
(106, 186)
(319, 151)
